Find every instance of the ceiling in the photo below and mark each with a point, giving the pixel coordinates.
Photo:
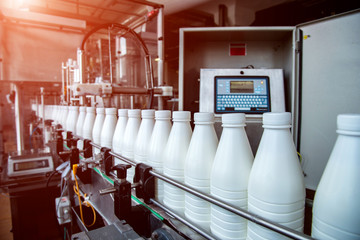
(96, 12)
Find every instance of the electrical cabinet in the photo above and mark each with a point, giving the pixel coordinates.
(320, 68)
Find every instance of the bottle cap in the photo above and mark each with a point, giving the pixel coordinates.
(181, 116)
(90, 110)
(204, 117)
(277, 119)
(134, 113)
(100, 110)
(122, 112)
(162, 114)
(233, 119)
(82, 109)
(348, 122)
(148, 113)
(110, 111)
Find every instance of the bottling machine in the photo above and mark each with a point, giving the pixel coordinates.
(116, 67)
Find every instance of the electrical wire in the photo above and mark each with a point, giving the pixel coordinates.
(49, 178)
(300, 157)
(86, 203)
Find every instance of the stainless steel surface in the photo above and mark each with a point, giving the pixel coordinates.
(43, 113)
(183, 220)
(19, 118)
(266, 48)
(160, 60)
(107, 191)
(103, 204)
(330, 86)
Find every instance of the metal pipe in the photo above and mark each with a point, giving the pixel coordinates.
(99, 7)
(183, 220)
(19, 119)
(160, 36)
(132, 91)
(110, 57)
(63, 67)
(131, 162)
(241, 212)
(43, 113)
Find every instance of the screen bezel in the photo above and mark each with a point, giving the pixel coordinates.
(245, 78)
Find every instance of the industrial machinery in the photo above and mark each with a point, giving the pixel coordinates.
(122, 67)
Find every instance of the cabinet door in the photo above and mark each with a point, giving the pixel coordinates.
(330, 85)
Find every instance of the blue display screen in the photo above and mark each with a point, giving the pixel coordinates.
(242, 94)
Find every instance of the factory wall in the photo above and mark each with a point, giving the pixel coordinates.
(35, 53)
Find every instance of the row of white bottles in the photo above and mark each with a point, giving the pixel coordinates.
(271, 187)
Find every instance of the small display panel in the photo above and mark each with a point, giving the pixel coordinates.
(21, 166)
(243, 94)
(29, 164)
(241, 87)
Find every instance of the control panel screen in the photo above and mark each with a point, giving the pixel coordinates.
(22, 166)
(241, 87)
(242, 94)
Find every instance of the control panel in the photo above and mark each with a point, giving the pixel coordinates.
(247, 94)
(21, 165)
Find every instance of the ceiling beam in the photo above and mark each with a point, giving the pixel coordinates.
(94, 6)
(89, 20)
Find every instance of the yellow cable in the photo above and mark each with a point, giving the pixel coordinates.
(300, 157)
(86, 203)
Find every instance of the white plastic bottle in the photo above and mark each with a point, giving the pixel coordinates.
(141, 148)
(131, 131)
(276, 188)
(98, 124)
(157, 143)
(198, 166)
(64, 115)
(80, 124)
(88, 123)
(72, 119)
(119, 132)
(336, 209)
(58, 114)
(174, 159)
(229, 177)
(107, 132)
